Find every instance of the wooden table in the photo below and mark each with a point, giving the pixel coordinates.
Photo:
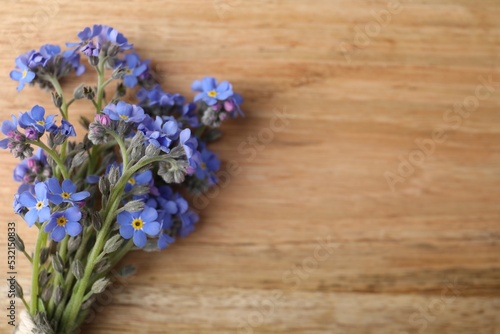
(370, 206)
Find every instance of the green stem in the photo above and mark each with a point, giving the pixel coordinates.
(123, 149)
(63, 248)
(100, 82)
(74, 305)
(53, 155)
(57, 86)
(40, 242)
(68, 282)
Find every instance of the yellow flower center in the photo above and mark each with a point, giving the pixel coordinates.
(61, 221)
(65, 195)
(124, 117)
(25, 73)
(203, 165)
(42, 123)
(39, 205)
(137, 223)
(212, 93)
(131, 181)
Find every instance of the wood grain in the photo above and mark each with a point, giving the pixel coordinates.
(421, 257)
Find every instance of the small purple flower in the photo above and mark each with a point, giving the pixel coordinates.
(64, 222)
(66, 129)
(137, 225)
(91, 50)
(112, 35)
(134, 70)
(38, 205)
(210, 92)
(31, 133)
(9, 128)
(65, 193)
(160, 132)
(86, 36)
(36, 118)
(125, 112)
(48, 51)
(23, 75)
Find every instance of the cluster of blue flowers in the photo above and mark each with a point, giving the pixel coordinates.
(45, 204)
(127, 184)
(39, 65)
(164, 120)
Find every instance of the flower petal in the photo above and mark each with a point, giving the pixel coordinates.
(73, 214)
(149, 215)
(15, 75)
(41, 191)
(152, 228)
(126, 231)
(144, 177)
(130, 81)
(197, 86)
(27, 199)
(58, 233)
(68, 186)
(54, 186)
(44, 214)
(208, 84)
(37, 113)
(56, 199)
(51, 225)
(140, 239)
(73, 228)
(80, 196)
(31, 217)
(124, 218)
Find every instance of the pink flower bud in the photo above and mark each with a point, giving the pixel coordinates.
(31, 163)
(229, 105)
(103, 119)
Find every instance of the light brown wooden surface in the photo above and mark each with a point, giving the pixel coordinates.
(356, 105)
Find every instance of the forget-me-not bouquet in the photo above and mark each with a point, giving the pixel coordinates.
(123, 187)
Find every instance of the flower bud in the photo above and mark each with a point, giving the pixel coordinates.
(88, 92)
(229, 105)
(78, 92)
(19, 243)
(77, 269)
(57, 99)
(58, 294)
(46, 293)
(57, 263)
(19, 290)
(31, 133)
(74, 243)
(102, 119)
(100, 285)
(93, 60)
